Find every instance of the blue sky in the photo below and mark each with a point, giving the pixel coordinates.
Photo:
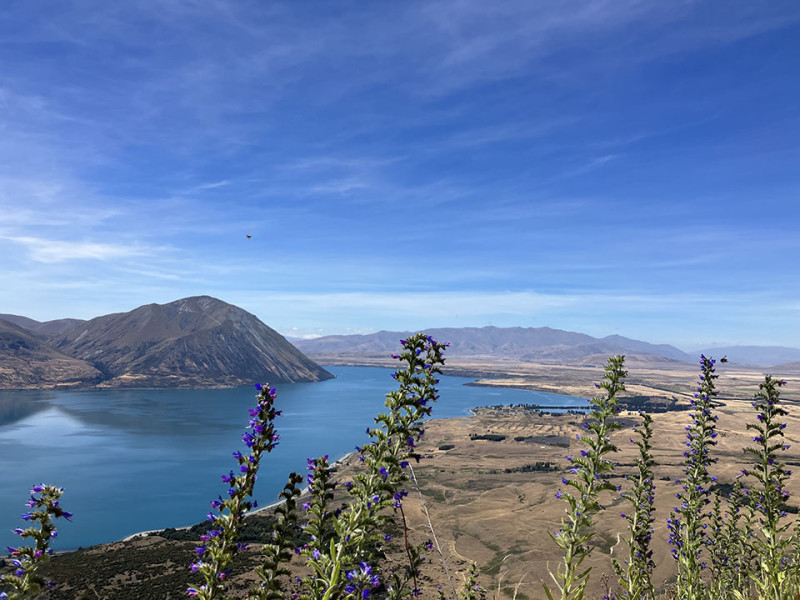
(616, 166)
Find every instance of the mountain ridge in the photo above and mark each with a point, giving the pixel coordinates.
(504, 343)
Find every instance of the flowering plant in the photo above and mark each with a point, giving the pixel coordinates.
(687, 526)
(589, 470)
(635, 578)
(43, 506)
(221, 541)
(770, 495)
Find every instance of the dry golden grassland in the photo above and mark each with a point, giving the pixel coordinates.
(484, 507)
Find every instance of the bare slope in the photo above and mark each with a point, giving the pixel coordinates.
(28, 362)
(193, 342)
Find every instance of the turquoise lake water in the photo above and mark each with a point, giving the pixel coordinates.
(134, 460)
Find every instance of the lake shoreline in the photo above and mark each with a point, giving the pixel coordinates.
(258, 511)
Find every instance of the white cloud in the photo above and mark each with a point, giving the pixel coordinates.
(55, 251)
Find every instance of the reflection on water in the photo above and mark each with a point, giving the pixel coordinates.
(132, 460)
(15, 407)
(51, 425)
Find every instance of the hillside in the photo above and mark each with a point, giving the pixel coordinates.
(28, 362)
(539, 344)
(193, 342)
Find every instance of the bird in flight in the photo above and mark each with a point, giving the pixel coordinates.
(249, 236)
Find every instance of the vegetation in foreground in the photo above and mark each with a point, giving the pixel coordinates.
(736, 545)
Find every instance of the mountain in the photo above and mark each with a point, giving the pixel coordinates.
(44, 329)
(26, 361)
(498, 343)
(193, 342)
(765, 356)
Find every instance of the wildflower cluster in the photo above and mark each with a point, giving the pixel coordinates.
(589, 471)
(220, 542)
(687, 525)
(635, 578)
(43, 506)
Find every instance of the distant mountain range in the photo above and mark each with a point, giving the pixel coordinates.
(756, 355)
(193, 342)
(537, 344)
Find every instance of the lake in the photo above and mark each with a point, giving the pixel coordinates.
(134, 460)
